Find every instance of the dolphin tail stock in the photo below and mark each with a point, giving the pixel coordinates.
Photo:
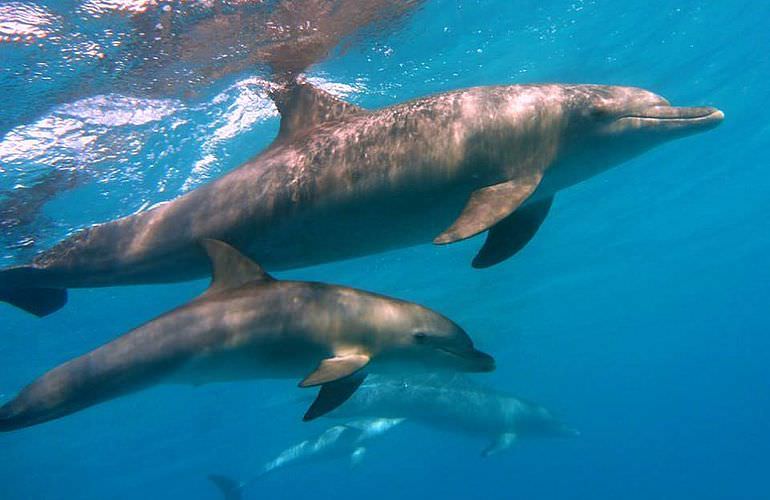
(17, 287)
(230, 488)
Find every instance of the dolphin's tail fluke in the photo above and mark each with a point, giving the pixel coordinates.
(17, 287)
(230, 488)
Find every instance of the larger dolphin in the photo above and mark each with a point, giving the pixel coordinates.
(249, 325)
(340, 182)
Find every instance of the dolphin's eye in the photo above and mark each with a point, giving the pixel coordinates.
(420, 337)
(599, 114)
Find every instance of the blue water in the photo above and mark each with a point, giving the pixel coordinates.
(638, 314)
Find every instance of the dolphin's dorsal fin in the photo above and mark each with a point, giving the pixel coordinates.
(230, 268)
(303, 106)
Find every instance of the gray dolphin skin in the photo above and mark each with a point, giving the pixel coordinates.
(340, 181)
(346, 440)
(248, 325)
(456, 404)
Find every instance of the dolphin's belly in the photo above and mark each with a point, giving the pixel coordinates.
(267, 362)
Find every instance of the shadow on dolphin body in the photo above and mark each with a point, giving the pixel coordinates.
(340, 181)
(248, 325)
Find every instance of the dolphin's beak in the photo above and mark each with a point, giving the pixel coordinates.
(672, 118)
(473, 359)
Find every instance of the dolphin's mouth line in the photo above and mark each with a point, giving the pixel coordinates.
(450, 352)
(471, 355)
(676, 114)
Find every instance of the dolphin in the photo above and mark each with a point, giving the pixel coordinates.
(340, 182)
(456, 404)
(249, 325)
(343, 440)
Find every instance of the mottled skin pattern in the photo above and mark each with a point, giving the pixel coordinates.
(452, 403)
(262, 329)
(365, 182)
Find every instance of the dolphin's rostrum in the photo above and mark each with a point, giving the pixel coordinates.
(340, 181)
(249, 325)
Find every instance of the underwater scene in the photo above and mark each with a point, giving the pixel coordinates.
(384, 249)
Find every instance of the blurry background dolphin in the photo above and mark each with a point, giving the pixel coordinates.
(457, 404)
(345, 440)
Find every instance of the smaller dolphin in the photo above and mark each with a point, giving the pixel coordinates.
(344, 440)
(249, 325)
(455, 404)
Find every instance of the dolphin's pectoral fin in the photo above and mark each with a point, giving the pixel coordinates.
(335, 368)
(230, 268)
(334, 394)
(488, 206)
(501, 443)
(512, 233)
(302, 106)
(357, 456)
